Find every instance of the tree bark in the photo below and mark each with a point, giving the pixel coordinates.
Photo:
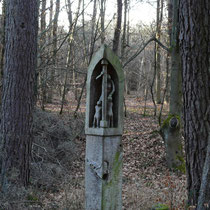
(117, 31)
(54, 57)
(93, 28)
(43, 71)
(172, 133)
(2, 43)
(157, 52)
(176, 77)
(205, 182)
(123, 45)
(18, 89)
(194, 44)
(102, 14)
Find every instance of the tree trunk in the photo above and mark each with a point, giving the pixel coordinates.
(195, 49)
(171, 128)
(54, 57)
(205, 180)
(50, 27)
(123, 45)
(157, 55)
(153, 82)
(102, 14)
(176, 70)
(93, 28)
(170, 22)
(43, 71)
(125, 40)
(118, 27)
(18, 89)
(2, 45)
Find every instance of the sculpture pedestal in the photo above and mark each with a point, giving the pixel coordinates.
(103, 129)
(103, 172)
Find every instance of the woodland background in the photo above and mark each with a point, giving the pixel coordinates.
(167, 94)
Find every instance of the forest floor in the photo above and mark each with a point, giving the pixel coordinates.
(58, 162)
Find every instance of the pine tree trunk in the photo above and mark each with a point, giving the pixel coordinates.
(18, 89)
(195, 49)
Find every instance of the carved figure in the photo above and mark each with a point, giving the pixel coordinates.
(109, 103)
(97, 115)
(110, 113)
(110, 86)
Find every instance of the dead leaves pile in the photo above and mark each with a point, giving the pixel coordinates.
(146, 178)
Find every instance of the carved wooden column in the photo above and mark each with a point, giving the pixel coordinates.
(103, 122)
(103, 128)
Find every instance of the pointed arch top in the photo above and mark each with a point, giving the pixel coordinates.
(104, 100)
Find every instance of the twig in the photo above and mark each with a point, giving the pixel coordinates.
(34, 144)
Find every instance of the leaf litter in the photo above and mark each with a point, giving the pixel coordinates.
(58, 164)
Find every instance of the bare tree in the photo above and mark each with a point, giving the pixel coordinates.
(102, 14)
(118, 27)
(123, 44)
(43, 70)
(157, 51)
(55, 40)
(72, 30)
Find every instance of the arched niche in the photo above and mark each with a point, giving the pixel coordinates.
(94, 91)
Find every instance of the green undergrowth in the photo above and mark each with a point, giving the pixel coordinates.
(160, 206)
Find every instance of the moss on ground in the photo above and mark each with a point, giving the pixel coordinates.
(160, 206)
